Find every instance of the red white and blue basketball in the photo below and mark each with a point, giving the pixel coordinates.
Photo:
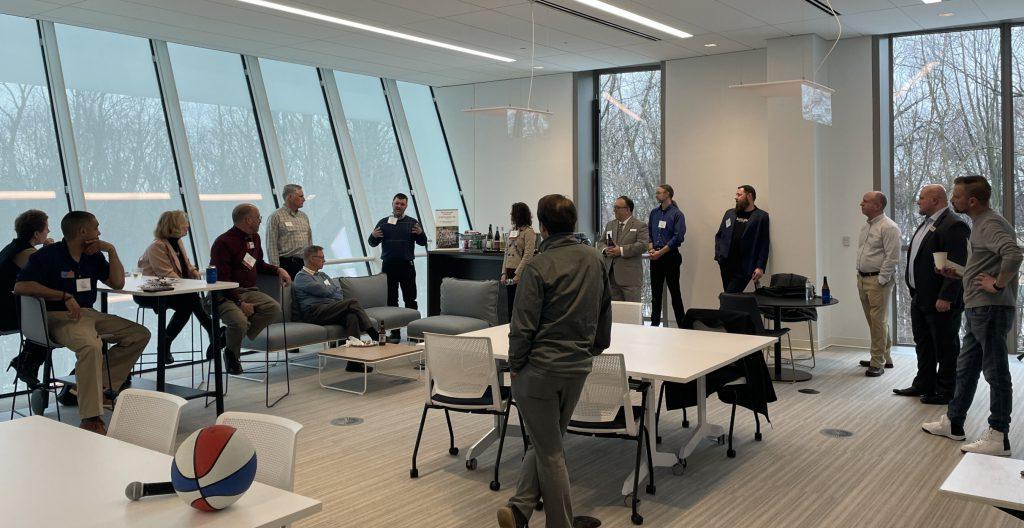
(213, 467)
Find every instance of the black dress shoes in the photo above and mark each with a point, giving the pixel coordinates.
(935, 399)
(874, 372)
(909, 391)
(867, 364)
(232, 365)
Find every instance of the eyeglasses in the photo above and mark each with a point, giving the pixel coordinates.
(620, 207)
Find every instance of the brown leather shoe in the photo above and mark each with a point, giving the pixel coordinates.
(94, 424)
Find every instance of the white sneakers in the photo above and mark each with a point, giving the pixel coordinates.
(991, 443)
(943, 428)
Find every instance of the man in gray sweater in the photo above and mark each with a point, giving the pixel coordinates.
(562, 319)
(321, 302)
(990, 292)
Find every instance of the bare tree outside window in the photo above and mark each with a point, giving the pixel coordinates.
(629, 136)
(947, 122)
(1017, 64)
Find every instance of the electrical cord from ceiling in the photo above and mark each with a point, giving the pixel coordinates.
(814, 76)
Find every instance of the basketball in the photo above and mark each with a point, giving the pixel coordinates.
(213, 467)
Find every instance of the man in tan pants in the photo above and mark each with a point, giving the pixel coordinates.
(65, 275)
(878, 252)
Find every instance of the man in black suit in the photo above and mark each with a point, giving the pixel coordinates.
(937, 302)
(741, 243)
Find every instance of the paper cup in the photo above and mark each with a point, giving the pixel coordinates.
(940, 259)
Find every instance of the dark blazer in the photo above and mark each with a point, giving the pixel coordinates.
(755, 237)
(949, 233)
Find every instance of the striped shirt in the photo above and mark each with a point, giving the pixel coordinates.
(288, 234)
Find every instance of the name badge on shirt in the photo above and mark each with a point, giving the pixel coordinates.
(632, 230)
(513, 233)
(931, 229)
(327, 282)
(392, 220)
(83, 285)
(609, 234)
(67, 274)
(250, 245)
(288, 224)
(728, 222)
(249, 261)
(662, 224)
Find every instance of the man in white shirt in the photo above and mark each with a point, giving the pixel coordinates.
(878, 252)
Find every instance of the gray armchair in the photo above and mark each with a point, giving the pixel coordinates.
(372, 293)
(466, 306)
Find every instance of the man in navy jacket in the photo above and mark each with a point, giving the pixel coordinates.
(742, 242)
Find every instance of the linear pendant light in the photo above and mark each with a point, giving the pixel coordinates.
(373, 29)
(639, 19)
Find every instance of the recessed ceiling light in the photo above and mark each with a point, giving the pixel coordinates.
(639, 19)
(711, 45)
(931, 1)
(946, 14)
(373, 29)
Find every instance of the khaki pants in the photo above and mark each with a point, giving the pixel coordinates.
(82, 337)
(875, 300)
(239, 326)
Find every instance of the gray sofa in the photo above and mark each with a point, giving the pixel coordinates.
(466, 306)
(372, 293)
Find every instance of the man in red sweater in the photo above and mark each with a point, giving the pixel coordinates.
(238, 256)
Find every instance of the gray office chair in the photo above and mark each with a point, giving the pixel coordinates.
(36, 330)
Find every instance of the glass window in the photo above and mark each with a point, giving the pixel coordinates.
(373, 138)
(1017, 44)
(311, 156)
(30, 173)
(124, 153)
(629, 146)
(223, 139)
(431, 149)
(946, 123)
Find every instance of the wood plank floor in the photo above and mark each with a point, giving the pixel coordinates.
(886, 474)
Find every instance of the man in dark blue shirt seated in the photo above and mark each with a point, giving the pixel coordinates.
(65, 275)
(321, 301)
(399, 234)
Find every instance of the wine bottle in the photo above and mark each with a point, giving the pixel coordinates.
(490, 236)
(826, 294)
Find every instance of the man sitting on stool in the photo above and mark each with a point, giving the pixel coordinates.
(321, 302)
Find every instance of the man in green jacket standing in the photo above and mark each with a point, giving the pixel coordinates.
(561, 320)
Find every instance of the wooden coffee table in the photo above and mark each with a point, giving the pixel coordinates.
(369, 357)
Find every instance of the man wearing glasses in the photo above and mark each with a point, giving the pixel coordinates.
(622, 243)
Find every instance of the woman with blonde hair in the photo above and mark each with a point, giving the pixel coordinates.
(167, 257)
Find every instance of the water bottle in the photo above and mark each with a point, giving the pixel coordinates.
(211, 274)
(826, 293)
(808, 291)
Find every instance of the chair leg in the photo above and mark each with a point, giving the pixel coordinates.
(757, 421)
(731, 453)
(810, 332)
(522, 427)
(496, 484)
(14, 398)
(686, 421)
(657, 412)
(650, 462)
(452, 450)
(414, 473)
(636, 518)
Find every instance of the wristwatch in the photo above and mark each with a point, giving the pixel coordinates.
(997, 287)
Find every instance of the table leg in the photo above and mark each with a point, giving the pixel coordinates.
(161, 342)
(792, 374)
(217, 372)
(483, 443)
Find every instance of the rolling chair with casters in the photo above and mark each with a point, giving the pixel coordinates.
(747, 303)
(752, 388)
(605, 410)
(462, 377)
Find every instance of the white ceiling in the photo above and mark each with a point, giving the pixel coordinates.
(563, 42)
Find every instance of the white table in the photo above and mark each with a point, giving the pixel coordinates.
(133, 286)
(987, 479)
(59, 475)
(656, 355)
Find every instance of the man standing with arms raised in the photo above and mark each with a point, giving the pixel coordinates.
(990, 295)
(399, 235)
(936, 302)
(561, 320)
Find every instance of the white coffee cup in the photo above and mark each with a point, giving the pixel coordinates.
(940, 259)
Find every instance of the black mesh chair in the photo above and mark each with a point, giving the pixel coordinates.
(747, 303)
(35, 329)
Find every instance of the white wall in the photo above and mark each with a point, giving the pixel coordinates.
(496, 170)
(809, 177)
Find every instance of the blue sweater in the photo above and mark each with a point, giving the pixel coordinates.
(311, 290)
(399, 242)
(675, 227)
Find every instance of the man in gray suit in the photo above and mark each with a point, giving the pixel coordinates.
(622, 243)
